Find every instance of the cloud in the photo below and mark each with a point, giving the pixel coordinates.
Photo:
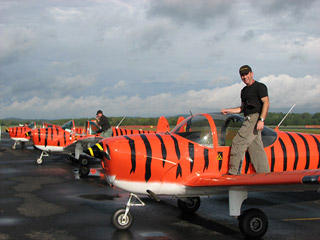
(198, 12)
(15, 42)
(301, 91)
(152, 57)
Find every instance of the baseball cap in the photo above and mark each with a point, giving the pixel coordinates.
(244, 70)
(99, 111)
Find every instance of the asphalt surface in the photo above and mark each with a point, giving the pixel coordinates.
(50, 202)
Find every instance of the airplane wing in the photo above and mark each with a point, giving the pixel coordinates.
(290, 180)
(78, 146)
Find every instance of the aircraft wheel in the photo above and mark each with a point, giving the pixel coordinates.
(83, 161)
(84, 171)
(39, 161)
(14, 147)
(253, 223)
(191, 205)
(121, 222)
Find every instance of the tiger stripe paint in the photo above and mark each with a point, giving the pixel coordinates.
(171, 157)
(19, 133)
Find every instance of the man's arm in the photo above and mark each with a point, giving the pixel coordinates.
(264, 112)
(232, 110)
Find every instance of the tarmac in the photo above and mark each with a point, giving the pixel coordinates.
(51, 201)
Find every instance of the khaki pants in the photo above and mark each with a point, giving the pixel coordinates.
(107, 133)
(248, 138)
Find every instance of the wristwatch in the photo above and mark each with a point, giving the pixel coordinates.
(261, 119)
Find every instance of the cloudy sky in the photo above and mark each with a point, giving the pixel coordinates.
(67, 59)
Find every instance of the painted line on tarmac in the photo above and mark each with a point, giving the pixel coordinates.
(300, 219)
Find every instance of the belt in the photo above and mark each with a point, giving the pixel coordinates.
(248, 116)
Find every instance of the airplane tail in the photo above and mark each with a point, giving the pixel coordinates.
(163, 125)
(180, 119)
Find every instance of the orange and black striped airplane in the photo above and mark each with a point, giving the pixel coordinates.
(66, 138)
(192, 161)
(18, 134)
(71, 139)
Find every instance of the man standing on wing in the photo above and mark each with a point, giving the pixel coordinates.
(254, 105)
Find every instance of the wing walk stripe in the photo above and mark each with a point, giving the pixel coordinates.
(307, 150)
(163, 150)
(149, 157)
(294, 143)
(133, 154)
(273, 160)
(285, 158)
(191, 155)
(206, 159)
(318, 145)
(176, 145)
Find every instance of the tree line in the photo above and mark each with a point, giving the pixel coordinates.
(293, 119)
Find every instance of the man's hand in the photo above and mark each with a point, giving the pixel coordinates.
(260, 125)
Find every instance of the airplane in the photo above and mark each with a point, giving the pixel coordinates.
(71, 139)
(192, 161)
(18, 134)
(66, 138)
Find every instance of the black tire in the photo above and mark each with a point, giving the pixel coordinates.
(118, 220)
(83, 161)
(253, 223)
(84, 171)
(190, 206)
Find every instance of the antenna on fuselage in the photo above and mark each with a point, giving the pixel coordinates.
(191, 113)
(284, 117)
(120, 122)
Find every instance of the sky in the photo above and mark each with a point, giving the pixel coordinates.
(147, 58)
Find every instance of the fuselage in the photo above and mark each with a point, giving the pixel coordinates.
(162, 163)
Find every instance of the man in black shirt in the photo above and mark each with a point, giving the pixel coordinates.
(103, 122)
(254, 105)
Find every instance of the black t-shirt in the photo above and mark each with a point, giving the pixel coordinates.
(251, 97)
(104, 123)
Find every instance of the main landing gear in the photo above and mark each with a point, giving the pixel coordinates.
(253, 223)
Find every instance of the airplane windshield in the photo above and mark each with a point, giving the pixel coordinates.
(196, 129)
(32, 125)
(93, 128)
(68, 126)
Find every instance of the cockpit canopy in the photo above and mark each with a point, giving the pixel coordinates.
(68, 126)
(197, 128)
